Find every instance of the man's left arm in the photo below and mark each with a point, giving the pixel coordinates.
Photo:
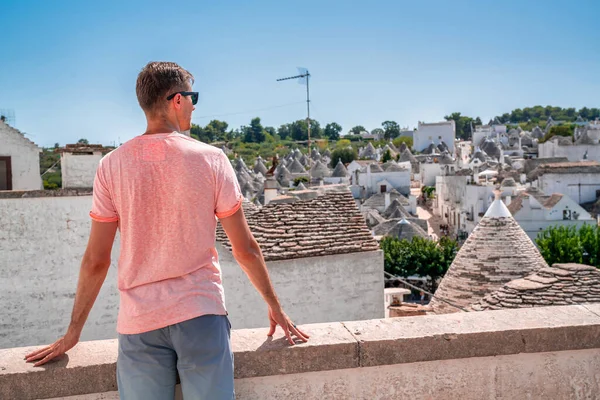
(92, 273)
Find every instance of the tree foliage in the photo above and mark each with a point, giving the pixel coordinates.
(463, 124)
(83, 141)
(540, 113)
(403, 139)
(567, 244)
(419, 256)
(387, 156)
(559, 130)
(332, 131)
(346, 154)
(391, 129)
(357, 130)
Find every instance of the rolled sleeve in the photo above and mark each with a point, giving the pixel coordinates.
(228, 196)
(103, 209)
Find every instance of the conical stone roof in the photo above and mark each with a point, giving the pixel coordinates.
(319, 170)
(259, 166)
(296, 167)
(431, 149)
(497, 252)
(395, 208)
(537, 133)
(284, 176)
(407, 156)
(369, 151)
(340, 170)
(301, 186)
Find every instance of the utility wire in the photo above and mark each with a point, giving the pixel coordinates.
(394, 277)
(249, 111)
(53, 165)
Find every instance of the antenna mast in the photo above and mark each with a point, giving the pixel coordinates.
(304, 74)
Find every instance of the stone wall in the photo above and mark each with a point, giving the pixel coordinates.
(25, 158)
(78, 170)
(536, 353)
(42, 240)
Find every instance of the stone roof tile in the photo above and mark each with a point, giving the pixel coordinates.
(326, 225)
(559, 285)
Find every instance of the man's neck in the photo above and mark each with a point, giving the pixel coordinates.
(161, 125)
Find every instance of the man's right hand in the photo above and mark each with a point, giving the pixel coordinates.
(278, 317)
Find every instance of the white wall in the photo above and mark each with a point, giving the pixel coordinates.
(400, 180)
(436, 133)
(79, 170)
(42, 241)
(533, 218)
(573, 153)
(429, 171)
(25, 158)
(316, 289)
(580, 187)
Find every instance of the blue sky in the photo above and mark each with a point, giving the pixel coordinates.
(68, 68)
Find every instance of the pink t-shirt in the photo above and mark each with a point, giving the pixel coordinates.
(167, 191)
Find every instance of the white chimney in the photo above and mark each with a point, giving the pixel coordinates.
(270, 189)
(387, 200)
(507, 200)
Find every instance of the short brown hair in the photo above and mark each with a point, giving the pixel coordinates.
(159, 79)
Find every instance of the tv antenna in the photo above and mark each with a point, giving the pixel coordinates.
(8, 116)
(302, 77)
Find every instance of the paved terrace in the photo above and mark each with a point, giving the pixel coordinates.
(535, 353)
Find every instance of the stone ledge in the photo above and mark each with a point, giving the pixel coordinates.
(90, 366)
(20, 194)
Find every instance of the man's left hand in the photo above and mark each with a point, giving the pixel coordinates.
(60, 347)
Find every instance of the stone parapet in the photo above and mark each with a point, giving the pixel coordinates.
(349, 346)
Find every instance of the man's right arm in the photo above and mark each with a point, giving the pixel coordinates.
(247, 253)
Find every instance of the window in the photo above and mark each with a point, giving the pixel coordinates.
(566, 214)
(383, 189)
(5, 173)
(439, 137)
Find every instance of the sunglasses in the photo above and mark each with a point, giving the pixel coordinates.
(193, 94)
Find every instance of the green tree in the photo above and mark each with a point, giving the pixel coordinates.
(332, 131)
(215, 130)
(299, 130)
(419, 256)
(403, 139)
(284, 131)
(560, 244)
(391, 129)
(83, 141)
(357, 130)
(567, 244)
(271, 131)
(387, 156)
(255, 133)
(463, 124)
(558, 130)
(56, 145)
(347, 155)
(343, 143)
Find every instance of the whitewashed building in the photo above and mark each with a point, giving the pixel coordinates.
(373, 179)
(535, 211)
(79, 163)
(579, 180)
(19, 160)
(436, 133)
(586, 145)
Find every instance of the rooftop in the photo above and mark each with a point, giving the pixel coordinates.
(563, 284)
(328, 224)
(577, 167)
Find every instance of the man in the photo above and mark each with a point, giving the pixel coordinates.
(163, 190)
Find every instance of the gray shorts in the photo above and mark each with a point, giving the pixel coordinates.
(199, 349)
